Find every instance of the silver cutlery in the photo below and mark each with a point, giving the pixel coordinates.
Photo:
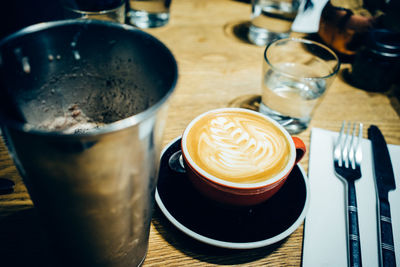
(384, 179)
(347, 157)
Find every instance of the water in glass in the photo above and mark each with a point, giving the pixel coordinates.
(291, 100)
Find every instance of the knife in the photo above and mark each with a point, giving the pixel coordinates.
(384, 180)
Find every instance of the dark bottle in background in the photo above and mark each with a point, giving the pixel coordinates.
(376, 66)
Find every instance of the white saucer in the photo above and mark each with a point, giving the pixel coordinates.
(232, 228)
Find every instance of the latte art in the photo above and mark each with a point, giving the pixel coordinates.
(238, 147)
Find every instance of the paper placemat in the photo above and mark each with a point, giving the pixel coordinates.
(325, 224)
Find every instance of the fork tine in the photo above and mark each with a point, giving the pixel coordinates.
(358, 151)
(346, 146)
(338, 145)
(352, 151)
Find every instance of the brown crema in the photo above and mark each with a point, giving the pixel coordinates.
(238, 146)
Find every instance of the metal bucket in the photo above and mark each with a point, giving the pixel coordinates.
(93, 188)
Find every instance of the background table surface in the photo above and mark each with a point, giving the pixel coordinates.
(217, 68)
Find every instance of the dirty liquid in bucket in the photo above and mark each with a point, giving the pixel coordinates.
(81, 101)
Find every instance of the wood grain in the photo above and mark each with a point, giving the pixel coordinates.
(217, 68)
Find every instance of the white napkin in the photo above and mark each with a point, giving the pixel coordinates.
(325, 226)
(307, 20)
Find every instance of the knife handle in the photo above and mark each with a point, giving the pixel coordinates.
(353, 232)
(386, 244)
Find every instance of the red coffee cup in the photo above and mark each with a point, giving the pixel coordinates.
(237, 156)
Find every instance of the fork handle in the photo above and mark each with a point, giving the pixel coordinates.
(353, 232)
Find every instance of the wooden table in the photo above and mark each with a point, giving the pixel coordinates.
(217, 68)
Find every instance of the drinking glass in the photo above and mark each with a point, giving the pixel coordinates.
(111, 10)
(296, 74)
(149, 13)
(271, 19)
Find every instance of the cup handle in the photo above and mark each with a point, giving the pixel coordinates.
(175, 162)
(300, 148)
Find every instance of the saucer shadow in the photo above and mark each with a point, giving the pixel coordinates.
(23, 241)
(238, 30)
(207, 253)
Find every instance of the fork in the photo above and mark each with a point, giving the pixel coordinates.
(347, 156)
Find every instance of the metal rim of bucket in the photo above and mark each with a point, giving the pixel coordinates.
(109, 127)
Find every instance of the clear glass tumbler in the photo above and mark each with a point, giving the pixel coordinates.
(271, 20)
(110, 10)
(149, 13)
(296, 74)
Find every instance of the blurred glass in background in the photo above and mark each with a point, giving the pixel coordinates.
(148, 13)
(271, 20)
(110, 10)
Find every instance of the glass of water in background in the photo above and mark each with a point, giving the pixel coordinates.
(149, 13)
(271, 19)
(111, 10)
(296, 74)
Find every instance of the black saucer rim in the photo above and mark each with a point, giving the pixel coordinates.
(234, 245)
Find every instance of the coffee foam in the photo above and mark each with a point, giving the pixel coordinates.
(238, 147)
